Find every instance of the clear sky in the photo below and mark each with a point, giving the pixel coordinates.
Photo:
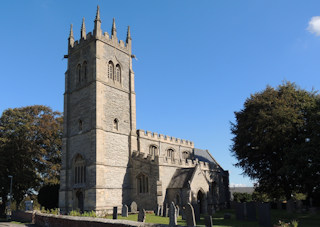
(197, 63)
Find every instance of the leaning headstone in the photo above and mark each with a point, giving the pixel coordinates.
(196, 208)
(124, 211)
(134, 207)
(290, 206)
(142, 215)
(172, 215)
(240, 211)
(115, 213)
(208, 221)
(189, 214)
(251, 211)
(264, 214)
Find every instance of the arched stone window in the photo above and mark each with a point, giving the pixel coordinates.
(110, 70)
(118, 73)
(116, 124)
(79, 170)
(185, 154)
(153, 150)
(142, 183)
(85, 70)
(170, 154)
(78, 73)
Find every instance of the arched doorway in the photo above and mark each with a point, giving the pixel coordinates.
(200, 201)
(79, 195)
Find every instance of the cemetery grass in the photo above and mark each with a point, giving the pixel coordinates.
(304, 219)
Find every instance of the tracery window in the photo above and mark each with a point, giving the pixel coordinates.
(142, 184)
(110, 70)
(79, 170)
(118, 73)
(153, 150)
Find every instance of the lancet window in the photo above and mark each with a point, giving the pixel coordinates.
(110, 70)
(153, 150)
(118, 73)
(142, 184)
(79, 170)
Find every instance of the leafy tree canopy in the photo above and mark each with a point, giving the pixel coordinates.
(30, 149)
(276, 140)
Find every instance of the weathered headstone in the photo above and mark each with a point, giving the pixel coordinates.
(189, 214)
(251, 211)
(264, 214)
(290, 206)
(178, 211)
(172, 215)
(240, 211)
(142, 215)
(134, 207)
(124, 211)
(196, 208)
(115, 213)
(208, 221)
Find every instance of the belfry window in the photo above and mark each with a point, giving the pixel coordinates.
(153, 150)
(118, 73)
(116, 124)
(84, 66)
(142, 184)
(110, 70)
(185, 155)
(170, 154)
(79, 170)
(79, 73)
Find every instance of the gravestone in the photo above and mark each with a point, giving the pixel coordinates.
(115, 213)
(164, 210)
(240, 211)
(211, 210)
(178, 211)
(124, 211)
(189, 214)
(167, 212)
(134, 207)
(142, 215)
(172, 215)
(264, 214)
(208, 221)
(290, 206)
(183, 213)
(196, 209)
(160, 210)
(251, 211)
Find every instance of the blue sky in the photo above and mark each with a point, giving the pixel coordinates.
(197, 63)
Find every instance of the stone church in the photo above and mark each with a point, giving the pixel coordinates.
(106, 161)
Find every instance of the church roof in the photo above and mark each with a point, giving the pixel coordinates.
(181, 177)
(205, 156)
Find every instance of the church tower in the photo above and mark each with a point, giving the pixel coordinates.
(99, 121)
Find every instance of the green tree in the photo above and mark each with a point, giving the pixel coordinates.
(30, 149)
(276, 138)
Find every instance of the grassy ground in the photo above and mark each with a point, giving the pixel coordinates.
(305, 220)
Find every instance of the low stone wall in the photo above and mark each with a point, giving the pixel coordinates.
(22, 216)
(51, 220)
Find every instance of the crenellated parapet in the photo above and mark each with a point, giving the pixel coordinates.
(98, 34)
(164, 138)
(165, 161)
